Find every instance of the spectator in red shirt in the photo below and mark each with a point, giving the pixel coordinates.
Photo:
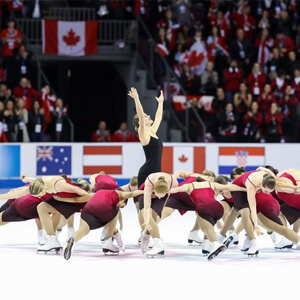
(233, 77)
(252, 121)
(122, 134)
(102, 134)
(245, 21)
(47, 99)
(284, 43)
(11, 38)
(256, 81)
(26, 92)
(279, 84)
(296, 82)
(273, 122)
(265, 99)
(219, 21)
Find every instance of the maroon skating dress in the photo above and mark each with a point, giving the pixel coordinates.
(291, 202)
(182, 201)
(23, 208)
(101, 209)
(206, 205)
(66, 209)
(105, 182)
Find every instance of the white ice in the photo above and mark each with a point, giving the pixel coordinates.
(184, 273)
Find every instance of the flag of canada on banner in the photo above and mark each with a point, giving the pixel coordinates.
(69, 38)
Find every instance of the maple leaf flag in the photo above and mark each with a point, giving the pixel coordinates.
(70, 38)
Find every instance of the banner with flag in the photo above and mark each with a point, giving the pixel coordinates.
(53, 160)
(70, 38)
(248, 157)
(102, 158)
(198, 58)
(187, 158)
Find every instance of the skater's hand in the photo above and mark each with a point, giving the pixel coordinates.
(297, 191)
(258, 232)
(161, 98)
(133, 93)
(147, 226)
(23, 177)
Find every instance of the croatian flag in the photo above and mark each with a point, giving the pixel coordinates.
(248, 157)
(53, 160)
(102, 158)
(70, 38)
(183, 158)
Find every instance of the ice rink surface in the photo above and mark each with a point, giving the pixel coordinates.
(184, 273)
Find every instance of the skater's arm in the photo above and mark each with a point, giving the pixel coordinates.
(265, 170)
(63, 186)
(126, 195)
(26, 179)
(180, 189)
(284, 185)
(82, 199)
(159, 112)
(147, 204)
(182, 174)
(251, 193)
(229, 187)
(15, 193)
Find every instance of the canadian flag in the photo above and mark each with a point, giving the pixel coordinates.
(69, 38)
(162, 49)
(198, 58)
(186, 158)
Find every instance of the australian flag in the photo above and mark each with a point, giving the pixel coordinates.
(53, 160)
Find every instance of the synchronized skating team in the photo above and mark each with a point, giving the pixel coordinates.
(261, 198)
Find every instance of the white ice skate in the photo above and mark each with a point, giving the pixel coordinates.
(118, 238)
(217, 249)
(253, 250)
(41, 237)
(246, 244)
(221, 237)
(206, 246)
(298, 245)
(71, 232)
(52, 244)
(57, 233)
(231, 240)
(284, 244)
(158, 248)
(145, 242)
(103, 234)
(194, 237)
(109, 247)
(236, 242)
(272, 235)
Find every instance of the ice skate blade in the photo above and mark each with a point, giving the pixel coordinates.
(287, 247)
(68, 250)
(227, 242)
(236, 243)
(191, 242)
(245, 250)
(109, 252)
(56, 250)
(205, 252)
(250, 255)
(214, 254)
(160, 254)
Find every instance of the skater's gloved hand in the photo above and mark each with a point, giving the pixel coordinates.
(258, 232)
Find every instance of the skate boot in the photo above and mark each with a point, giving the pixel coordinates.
(298, 245)
(206, 246)
(52, 244)
(71, 232)
(151, 243)
(58, 231)
(194, 237)
(158, 248)
(246, 244)
(253, 250)
(217, 248)
(236, 242)
(41, 237)
(145, 242)
(103, 234)
(109, 247)
(231, 240)
(118, 238)
(221, 237)
(272, 235)
(68, 250)
(284, 244)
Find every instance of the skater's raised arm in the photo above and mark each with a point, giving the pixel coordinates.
(159, 112)
(15, 193)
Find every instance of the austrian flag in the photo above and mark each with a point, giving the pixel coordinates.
(70, 38)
